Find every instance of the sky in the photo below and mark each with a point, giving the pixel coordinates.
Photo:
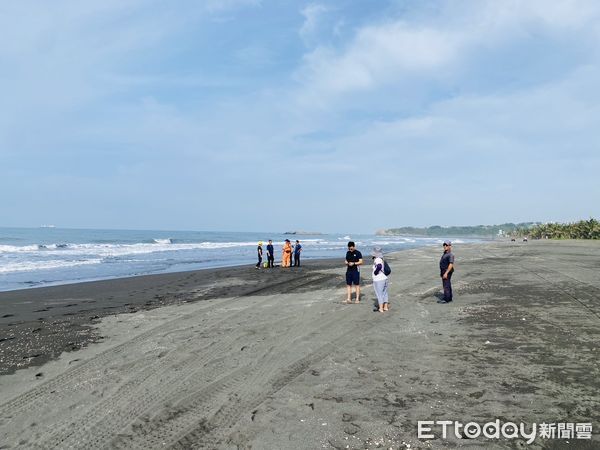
(331, 116)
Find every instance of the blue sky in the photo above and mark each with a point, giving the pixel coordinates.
(257, 115)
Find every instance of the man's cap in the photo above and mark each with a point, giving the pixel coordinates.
(447, 243)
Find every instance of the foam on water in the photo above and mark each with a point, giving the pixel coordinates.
(163, 241)
(160, 245)
(15, 248)
(29, 266)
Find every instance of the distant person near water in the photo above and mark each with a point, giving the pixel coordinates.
(286, 254)
(270, 254)
(353, 262)
(297, 251)
(446, 271)
(260, 254)
(380, 280)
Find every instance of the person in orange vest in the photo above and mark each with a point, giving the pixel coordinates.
(287, 254)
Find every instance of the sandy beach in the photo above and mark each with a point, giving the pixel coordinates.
(246, 358)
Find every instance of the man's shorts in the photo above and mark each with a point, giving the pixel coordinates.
(353, 278)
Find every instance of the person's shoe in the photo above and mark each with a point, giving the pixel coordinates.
(442, 302)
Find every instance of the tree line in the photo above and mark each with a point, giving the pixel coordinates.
(584, 229)
(455, 231)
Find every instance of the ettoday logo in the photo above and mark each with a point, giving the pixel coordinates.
(506, 430)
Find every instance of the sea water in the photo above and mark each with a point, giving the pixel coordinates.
(31, 257)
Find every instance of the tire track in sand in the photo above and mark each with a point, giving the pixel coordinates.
(96, 428)
(190, 423)
(139, 395)
(204, 416)
(92, 372)
(63, 385)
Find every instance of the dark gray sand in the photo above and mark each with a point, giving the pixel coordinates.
(37, 325)
(240, 358)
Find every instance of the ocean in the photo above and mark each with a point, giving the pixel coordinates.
(32, 257)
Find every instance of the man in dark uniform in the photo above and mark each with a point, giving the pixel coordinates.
(446, 271)
(353, 262)
(297, 251)
(260, 253)
(270, 254)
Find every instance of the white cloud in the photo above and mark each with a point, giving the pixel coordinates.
(379, 55)
(434, 47)
(532, 141)
(312, 13)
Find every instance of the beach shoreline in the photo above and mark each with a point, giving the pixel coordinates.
(272, 359)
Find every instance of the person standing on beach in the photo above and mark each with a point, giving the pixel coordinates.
(297, 250)
(270, 254)
(260, 253)
(286, 254)
(446, 271)
(353, 262)
(380, 280)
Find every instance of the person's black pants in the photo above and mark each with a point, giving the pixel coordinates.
(297, 260)
(259, 262)
(271, 260)
(447, 284)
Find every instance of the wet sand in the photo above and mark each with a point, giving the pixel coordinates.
(241, 358)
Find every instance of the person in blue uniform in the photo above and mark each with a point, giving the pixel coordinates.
(297, 251)
(446, 271)
(270, 254)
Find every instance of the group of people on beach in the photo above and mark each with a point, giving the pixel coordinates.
(380, 272)
(290, 254)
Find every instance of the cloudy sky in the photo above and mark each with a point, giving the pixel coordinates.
(270, 115)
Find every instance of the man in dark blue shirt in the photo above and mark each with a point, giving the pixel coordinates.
(270, 254)
(446, 271)
(297, 250)
(353, 262)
